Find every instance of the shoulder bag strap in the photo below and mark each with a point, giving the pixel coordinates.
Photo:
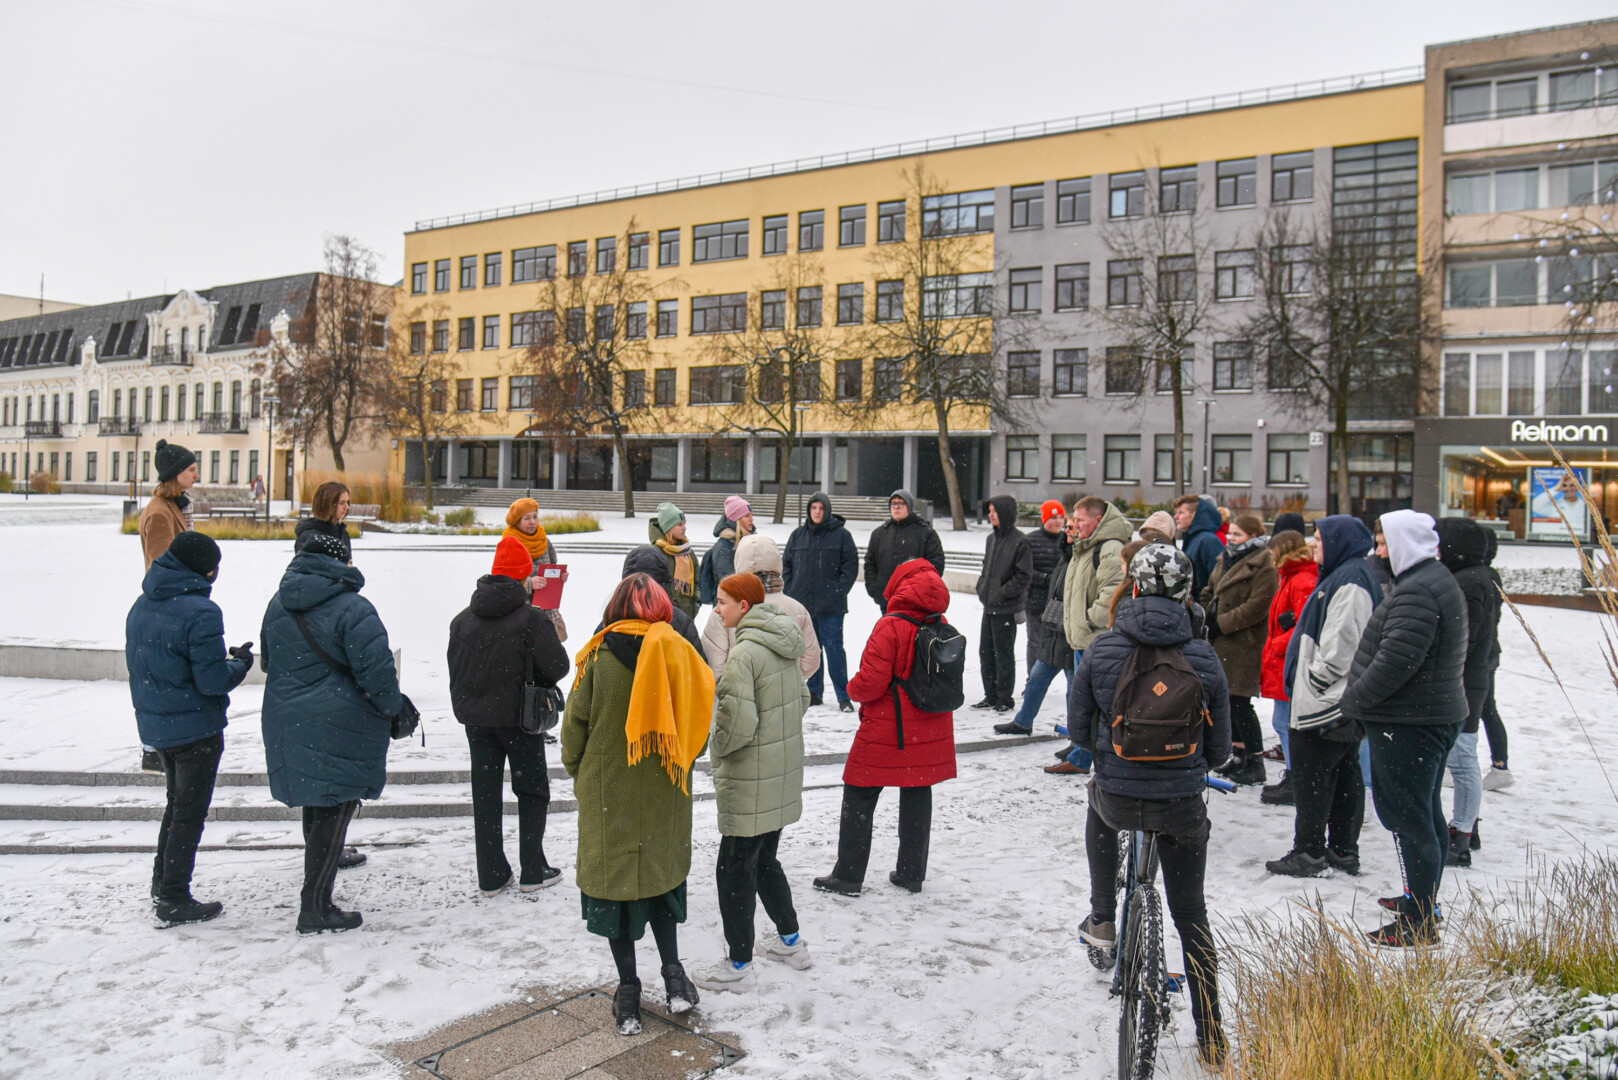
(303, 626)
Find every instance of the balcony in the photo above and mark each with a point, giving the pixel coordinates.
(170, 356)
(216, 423)
(43, 429)
(118, 425)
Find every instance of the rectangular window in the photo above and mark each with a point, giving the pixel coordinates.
(1516, 282)
(234, 475)
(1073, 201)
(441, 275)
(1177, 189)
(491, 331)
(1570, 277)
(1469, 193)
(720, 240)
(1068, 457)
(851, 226)
(1163, 457)
(575, 325)
(521, 392)
(1122, 459)
(1573, 89)
(887, 378)
(1292, 177)
(668, 318)
(640, 250)
(772, 309)
(418, 340)
(1603, 383)
(163, 404)
(1238, 182)
(1289, 459)
(440, 335)
(533, 264)
(1233, 275)
(1022, 374)
(491, 269)
(606, 254)
(1520, 384)
(438, 396)
(606, 321)
(469, 271)
(1073, 287)
(1490, 389)
(890, 222)
(1177, 278)
(92, 405)
(1470, 285)
(775, 234)
(1123, 370)
(418, 278)
(1564, 382)
(1233, 365)
(718, 462)
(811, 230)
(635, 321)
(1457, 384)
(491, 394)
(252, 465)
(958, 214)
(850, 304)
(668, 247)
(213, 467)
(1025, 290)
(722, 314)
(634, 389)
(719, 384)
(1022, 457)
(578, 258)
(1070, 372)
(1469, 102)
(115, 461)
(1516, 97)
(1232, 459)
(1126, 195)
(529, 328)
(890, 301)
(850, 380)
(663, 386)
(90, 467)
(467, 335)
(806, 383)
(954, 296)
(1123, 283)
(1516, 189)
(1290, 263)
(809, 306)
(1028, 206)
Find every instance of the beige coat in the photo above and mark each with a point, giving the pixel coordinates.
(759, 555)
(1093, 574)
(160, 523)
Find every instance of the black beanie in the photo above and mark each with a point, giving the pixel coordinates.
(320, 543)
(197, 551)
(1291, 521)
(172, 460)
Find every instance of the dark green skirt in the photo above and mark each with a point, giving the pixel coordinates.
(628, 918)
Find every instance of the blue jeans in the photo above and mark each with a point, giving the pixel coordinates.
(1040, 677)
(1463, 766)
(829, 629)
(1280, 720)
(1079, 755)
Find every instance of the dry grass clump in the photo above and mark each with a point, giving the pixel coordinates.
(562, 524)
(237, 528)
(1560, 928)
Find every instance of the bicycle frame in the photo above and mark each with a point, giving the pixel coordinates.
(1140, 870)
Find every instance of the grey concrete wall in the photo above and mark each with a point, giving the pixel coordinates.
(83, 664)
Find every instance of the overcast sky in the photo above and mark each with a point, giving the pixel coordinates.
(150, 144)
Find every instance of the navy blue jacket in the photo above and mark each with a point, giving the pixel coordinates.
(1202, 543)
(821, 563)
(325, 742)
(1147, 620)
(180, 678)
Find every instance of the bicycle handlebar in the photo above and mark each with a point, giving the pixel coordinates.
(1219, 783)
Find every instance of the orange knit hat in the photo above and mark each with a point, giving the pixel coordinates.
(1049, 509)
(519, 510)
(746, 587)
(512, 559)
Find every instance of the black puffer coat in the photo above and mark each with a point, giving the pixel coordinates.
(1053, 647)
(897, 542)
(1409, 666)
(1463, 548)
(1148, 620)
(650, 560)
(311, 526)
(821, 563)
(1046, 550)
(1008, 565)
(489, 645)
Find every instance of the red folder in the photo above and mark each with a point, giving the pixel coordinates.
(550, 597)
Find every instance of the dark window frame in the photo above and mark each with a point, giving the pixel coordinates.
(851, 226)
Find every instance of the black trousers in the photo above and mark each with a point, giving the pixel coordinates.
(325, 828)
(1407, 784)
(997, 657)
(1182, 849)
(530, 781)
(1495, 729)
(1244, 725)
(1329, 794)
(854, 834)
(188, 774)
(749, 870)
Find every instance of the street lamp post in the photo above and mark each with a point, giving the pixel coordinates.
(801, 407)
(1207, 445)
(270, 402)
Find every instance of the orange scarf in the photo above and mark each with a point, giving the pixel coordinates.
(671, 700)
(538, 545)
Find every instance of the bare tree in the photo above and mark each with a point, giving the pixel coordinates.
(937, 334)
(781, 352)
(417, 396)
(588, 375)
(1581, 253)
(331, 372)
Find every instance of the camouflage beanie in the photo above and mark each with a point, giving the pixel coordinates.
(1161, 570)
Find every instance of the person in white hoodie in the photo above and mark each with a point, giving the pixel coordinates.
(760, 556)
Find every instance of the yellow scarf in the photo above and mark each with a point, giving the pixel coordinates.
(685, 565)
(538, 545)
(671, 700)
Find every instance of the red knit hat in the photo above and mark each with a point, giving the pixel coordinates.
(512, 559)
(1049, 509)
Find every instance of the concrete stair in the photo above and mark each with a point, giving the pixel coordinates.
(851, 507)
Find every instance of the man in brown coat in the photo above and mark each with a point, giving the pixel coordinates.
(1237, 600)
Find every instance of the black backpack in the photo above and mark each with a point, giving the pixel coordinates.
(937, 674)
(1159, 706)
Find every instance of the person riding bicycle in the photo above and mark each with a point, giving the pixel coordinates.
(1165, 797)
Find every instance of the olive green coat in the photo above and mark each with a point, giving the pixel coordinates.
(757, 742)
(634, 824)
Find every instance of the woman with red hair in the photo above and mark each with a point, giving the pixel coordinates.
(638, 717)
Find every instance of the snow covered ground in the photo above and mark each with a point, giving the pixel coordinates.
(979, 976)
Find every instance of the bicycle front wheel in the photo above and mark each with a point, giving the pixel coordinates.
(1141, 961)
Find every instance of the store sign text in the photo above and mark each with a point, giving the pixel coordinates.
(1555, 433)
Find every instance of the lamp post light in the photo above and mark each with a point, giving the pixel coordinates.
(1207, 444)
(801, 408)
(270, 402)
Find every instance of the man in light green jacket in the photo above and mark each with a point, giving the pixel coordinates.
(1094, 572)
(756, 747)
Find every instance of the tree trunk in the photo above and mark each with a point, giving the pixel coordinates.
(621, 448)
(783, 473)
(429, 459)
(952, 483)
(1179, 428)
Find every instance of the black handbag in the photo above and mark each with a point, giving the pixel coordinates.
(401, 726)
(541, 705)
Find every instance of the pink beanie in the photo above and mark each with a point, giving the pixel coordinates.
(736, 508)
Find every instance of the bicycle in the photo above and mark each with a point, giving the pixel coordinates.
(1140, 970)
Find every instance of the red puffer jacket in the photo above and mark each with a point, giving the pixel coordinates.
(1298, 579)
(928, 757)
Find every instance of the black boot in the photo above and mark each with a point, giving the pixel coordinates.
(1250, 771)
(350, 858)
(185, 910)
(626, 1007)
(682, 995)
(1280, 792)
(1477, 841)
(1460, 848)
(323, 847)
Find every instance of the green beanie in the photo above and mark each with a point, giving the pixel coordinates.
(668, 516)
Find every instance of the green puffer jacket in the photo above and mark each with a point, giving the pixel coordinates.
(757, 741)
(1093, 575)
(634, 824)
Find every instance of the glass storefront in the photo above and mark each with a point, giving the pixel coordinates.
(1517, 486)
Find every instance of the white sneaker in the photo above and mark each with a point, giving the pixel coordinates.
(727, 976)
(1495, 779)
(793, 956)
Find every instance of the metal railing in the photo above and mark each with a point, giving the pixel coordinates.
(216, 422)
(176, 355)
(43, 429)
(118, 425)
(1190, 106)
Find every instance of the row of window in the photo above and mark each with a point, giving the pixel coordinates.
(1230, 459)
(55, 347)
(1537, 279)
(1520, 95)
(27, 350)
(18, 410)
(1124, 372)
(60, 465)
(1530, 187)
(1524, 382)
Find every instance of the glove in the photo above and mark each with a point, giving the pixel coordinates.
(1212, 623)
(242, 652)
(1286, 620)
